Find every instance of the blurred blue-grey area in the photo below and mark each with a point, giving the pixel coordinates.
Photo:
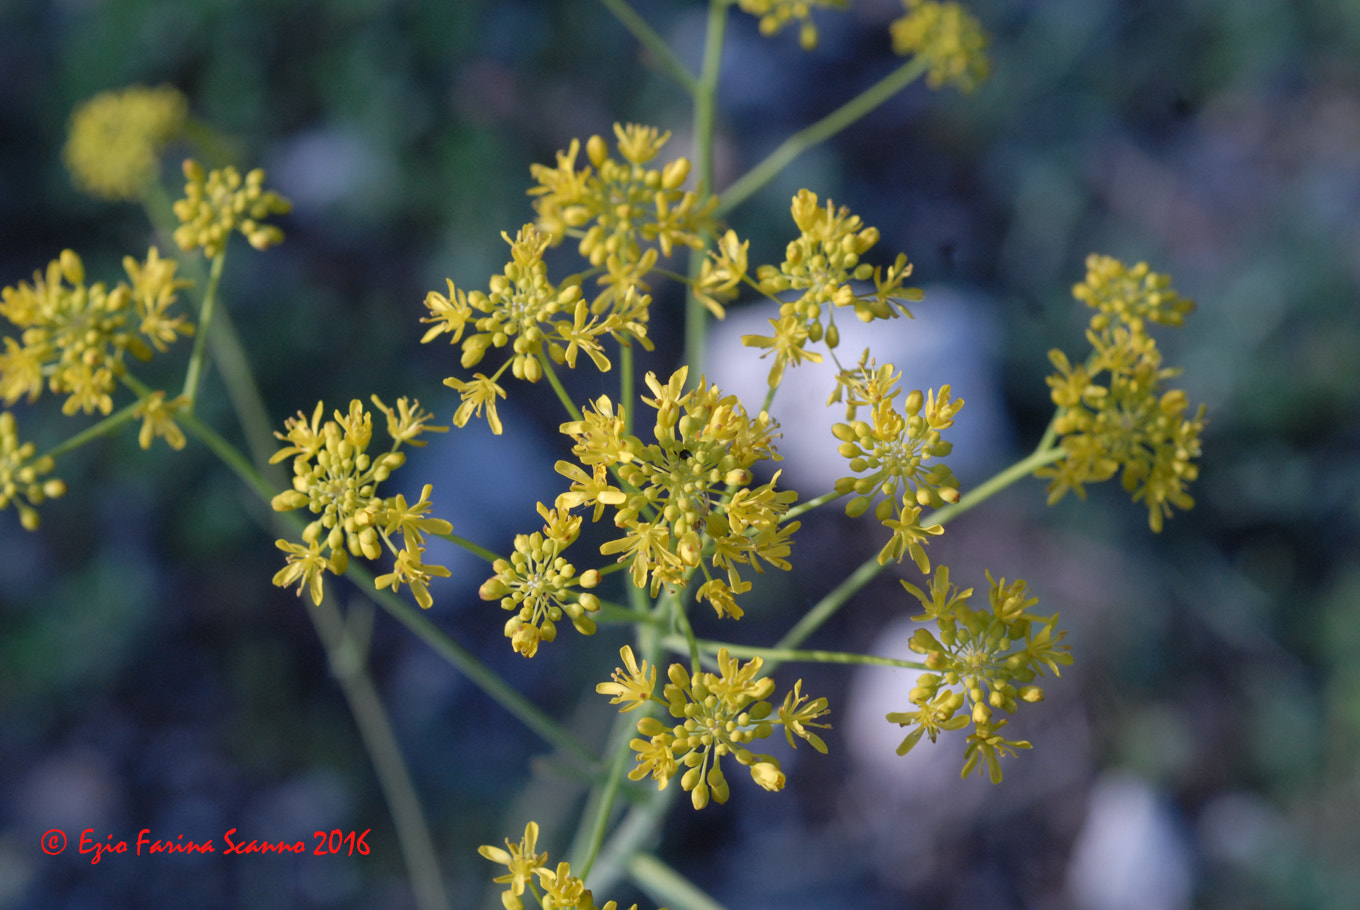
(1200, 753)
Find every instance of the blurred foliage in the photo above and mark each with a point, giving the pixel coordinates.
(150, 676)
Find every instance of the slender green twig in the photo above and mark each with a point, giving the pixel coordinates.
(666, 58)
(103, 428)
(194, 375)
(348, 664)
(224, 343)
(473, 548)
(995, 484)
(556, 383)
(844, 116)
(626, 384)
(600, 803)
(809, 505)
(667, 886)
(696, 314)
(869, 569)
(828, 605)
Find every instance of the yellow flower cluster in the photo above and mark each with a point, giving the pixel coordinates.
(560, 890)
(20, 475)
(979, 662)
(335, 478)
(897, 454)
(536, 584)
(534, 317)
(820, 266)
(717, 714)
(115, 139)
(686, 500)
(74, 336)
(775, 14)
(1130, 423)
(949, 37)
(615, 206)
(218, 202)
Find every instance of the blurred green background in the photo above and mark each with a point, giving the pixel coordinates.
(1200, 753)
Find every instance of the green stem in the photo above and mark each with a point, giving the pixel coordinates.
(664, 885)
(869, 569)
(473, 548)
(626, 380)
(696, 314)
(670, 64)
(828, 605)
(773, 657)
(809, 505)
(194, 375)
(103, 428)
(989, 488)
(346, 652)
(600, 804)
(556, 383)
(819, 132)
(610, 612)
(227, 351)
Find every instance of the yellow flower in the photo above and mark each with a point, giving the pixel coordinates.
(521, 860)
(20, 473)
(775, 14)
(949, 37)
(722, 273)
(218, 202)
(414, 573)
(1115, 414)
(158, 419)
(306, 566)
(631, 685)
(978, 662)
(336, 479)
(617, 206)
(115, 139)
(480, 393)
(821, 265)
(153, 290)
(74, 335)
(536, 584)
(716, 714)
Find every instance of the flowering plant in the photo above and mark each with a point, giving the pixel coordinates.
(697, 507)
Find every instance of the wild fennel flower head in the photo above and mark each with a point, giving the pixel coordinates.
(690, 502)
(615, 206)
(218, 202)
(21, 482)
(537, 585)
(775, 14)
(716, 714)
(115, 139)
(820, 266)
(978, 662)
(1116, 414)
(898, 454)
(337, 479)
(73, 335)
(949, 37)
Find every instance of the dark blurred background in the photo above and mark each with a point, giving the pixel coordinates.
(1201, 752)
